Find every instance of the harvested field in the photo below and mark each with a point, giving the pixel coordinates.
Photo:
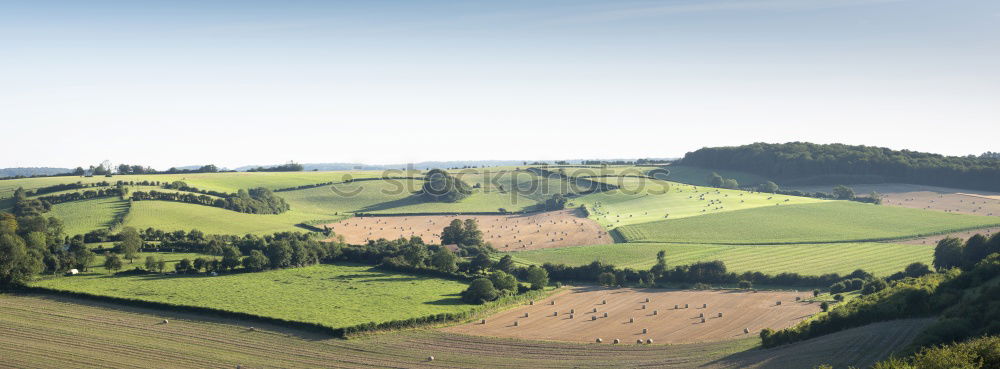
(43, 331)
(663, 323)
(944, 199)
(505, 232)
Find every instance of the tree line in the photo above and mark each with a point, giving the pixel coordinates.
(960, 293)
(813, 163)
(253, 201)
(290, 167)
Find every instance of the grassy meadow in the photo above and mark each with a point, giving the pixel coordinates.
(331, 295)
(642, 200)
(833, 221)
(86, 215)
(807, 259)
(171, 216)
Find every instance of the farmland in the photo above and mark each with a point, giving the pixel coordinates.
(61, 332)
(504, 232)
(641, 200)
(584, 314)
(837, 221)
(180, 216)
(329, 295)
(806, 259)
(82, 216)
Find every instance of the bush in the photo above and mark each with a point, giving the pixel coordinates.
(480, 291)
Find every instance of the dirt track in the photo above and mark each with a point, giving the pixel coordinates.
(664, 324)
(505, 232)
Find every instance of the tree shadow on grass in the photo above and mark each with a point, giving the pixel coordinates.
(453, 300)
(409, 200)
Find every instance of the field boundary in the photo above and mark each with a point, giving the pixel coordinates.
(882, 239)
(338, 332)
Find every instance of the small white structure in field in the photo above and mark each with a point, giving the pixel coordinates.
(72, 272)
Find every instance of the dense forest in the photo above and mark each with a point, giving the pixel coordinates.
(807, 163)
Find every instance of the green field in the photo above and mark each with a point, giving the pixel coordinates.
(807, 259)
(331, 295)
(170, 216)
(223, 182)
(699, 176)
(642, 200)
(834, 221)
(86, 215)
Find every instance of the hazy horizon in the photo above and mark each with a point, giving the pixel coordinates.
(385, 82)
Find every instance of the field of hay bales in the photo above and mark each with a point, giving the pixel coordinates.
(807, 259)
(39, 330)
(584, 314)
(505, 232)
(834, 221)
(329, 295)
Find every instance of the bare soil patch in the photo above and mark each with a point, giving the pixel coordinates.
(572, 317)
(505, 232)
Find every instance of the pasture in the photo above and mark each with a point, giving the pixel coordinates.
(699, 176)
(505, 232)
(40, 330)
(330, 295)
(83, 216)
(584, 314)
(171, 216)
(641, 200)
(881, 259)
(833, 221)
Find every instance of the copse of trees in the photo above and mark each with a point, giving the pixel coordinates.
(954, 253)
(290, 167)
(813, 163)
(440, 186)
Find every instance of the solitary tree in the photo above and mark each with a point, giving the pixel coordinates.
(480, 290)
(150, 263)
(130, 242)
(112, 263)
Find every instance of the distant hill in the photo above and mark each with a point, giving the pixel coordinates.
(30, 172)
(803, 163)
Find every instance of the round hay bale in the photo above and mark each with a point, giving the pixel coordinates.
(599, 340)
(605, 315)
(553, 302)
(798, 298)
(165, 321)
(704, 306)
(720, 315)
(778, 303)
(647, 299)
(572, 311)
(617, 341)
(555, 313)
(655, 312)
(252, 329)
(638, 342)
(604, 302)
(649, 341)
(746, 330)
(685, 306)
(532, 302)
(571, 316)
(482, 321)
(516, 323)
(701, 315)
(593, 317)
(643, 307)
(644, 330)
(430, 358)
(595, 310)
(677, 307)
(525, 314)
(631, 320)
(702, 320)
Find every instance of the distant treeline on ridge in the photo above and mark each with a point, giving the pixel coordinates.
(808, 163)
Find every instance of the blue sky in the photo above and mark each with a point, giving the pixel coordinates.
(255, 82)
